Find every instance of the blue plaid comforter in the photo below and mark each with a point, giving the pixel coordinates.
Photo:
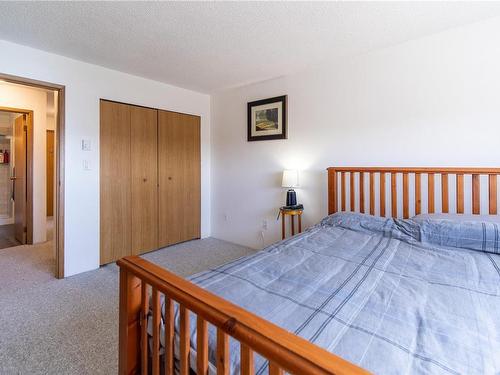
(392, 296)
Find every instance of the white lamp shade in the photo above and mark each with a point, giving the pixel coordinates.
(290, 178)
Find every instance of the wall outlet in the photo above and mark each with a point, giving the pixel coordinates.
(264, 224)
(86, 165)
(226, 216)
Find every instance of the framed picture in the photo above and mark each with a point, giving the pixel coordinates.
(267, 119)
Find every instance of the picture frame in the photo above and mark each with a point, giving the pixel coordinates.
(267, 119)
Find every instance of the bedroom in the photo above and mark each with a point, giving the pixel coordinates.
(382, 85)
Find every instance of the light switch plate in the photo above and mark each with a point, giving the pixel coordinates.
(86, 145)
(86, 165)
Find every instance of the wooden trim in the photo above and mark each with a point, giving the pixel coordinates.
(60, 161)
(290, 352)
(29, 177)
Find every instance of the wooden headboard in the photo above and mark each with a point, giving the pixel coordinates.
(423, 190)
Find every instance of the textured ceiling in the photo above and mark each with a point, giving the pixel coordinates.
(212, 45)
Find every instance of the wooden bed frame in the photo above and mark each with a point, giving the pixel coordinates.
(285, 351)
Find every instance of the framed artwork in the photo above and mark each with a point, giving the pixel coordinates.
(267, 119)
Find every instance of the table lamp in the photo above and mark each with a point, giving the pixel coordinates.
(290, 181)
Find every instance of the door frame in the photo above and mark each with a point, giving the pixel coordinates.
(29, 168)
(59, 186)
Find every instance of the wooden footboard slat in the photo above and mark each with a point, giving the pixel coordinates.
(201, 346)
(144, 328)
(394, 195)
(362, 192)
(460, 193)
(476, 198)
(169, 336)
(342, 190)
(155, 300)
(430, 193)
(418, 194)
(382, 194)
(274, 369)
(184, 340)
(247, 363)
(492, 192)
(222, 353)
(352, 191)
(372, 193)
(444, 193)
(406, 197)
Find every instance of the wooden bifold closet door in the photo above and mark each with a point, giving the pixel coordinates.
(144, 179)
(115, 224)
(149, 179)
(179, 177)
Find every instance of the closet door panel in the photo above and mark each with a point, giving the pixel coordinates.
(144, 171)
(179, 177)
(115, 225)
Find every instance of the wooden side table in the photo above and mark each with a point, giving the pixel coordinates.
(292, 213)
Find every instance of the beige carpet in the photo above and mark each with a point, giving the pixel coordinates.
(70, 326)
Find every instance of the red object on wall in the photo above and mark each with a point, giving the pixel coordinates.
(6, 157)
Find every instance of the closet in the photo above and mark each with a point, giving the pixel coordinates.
(149, 179)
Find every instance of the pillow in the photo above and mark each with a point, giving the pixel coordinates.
(459, 218)
(473, 235)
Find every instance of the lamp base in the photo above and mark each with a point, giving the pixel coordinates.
(291, 198)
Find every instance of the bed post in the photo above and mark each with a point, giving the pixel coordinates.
(129, 329)
(332, 191)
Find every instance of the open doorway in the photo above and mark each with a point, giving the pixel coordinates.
(15, 220)
(31, 135)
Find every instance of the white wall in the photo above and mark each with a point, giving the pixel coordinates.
(85, 85)
(15, 96)
(434, 101)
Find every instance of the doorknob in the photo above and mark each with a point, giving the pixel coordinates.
(13, 178)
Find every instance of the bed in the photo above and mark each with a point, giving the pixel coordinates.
(364, 291)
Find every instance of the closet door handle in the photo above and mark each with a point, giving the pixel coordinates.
(144, 179)
(170, 178)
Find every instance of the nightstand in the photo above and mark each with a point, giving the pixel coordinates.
(291, 213)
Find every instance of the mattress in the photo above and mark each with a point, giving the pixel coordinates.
(392, 296)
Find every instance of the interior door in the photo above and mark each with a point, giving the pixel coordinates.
(19, 178)
(144, 175)
(115, 213)
(50, 172)
(179, 177)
